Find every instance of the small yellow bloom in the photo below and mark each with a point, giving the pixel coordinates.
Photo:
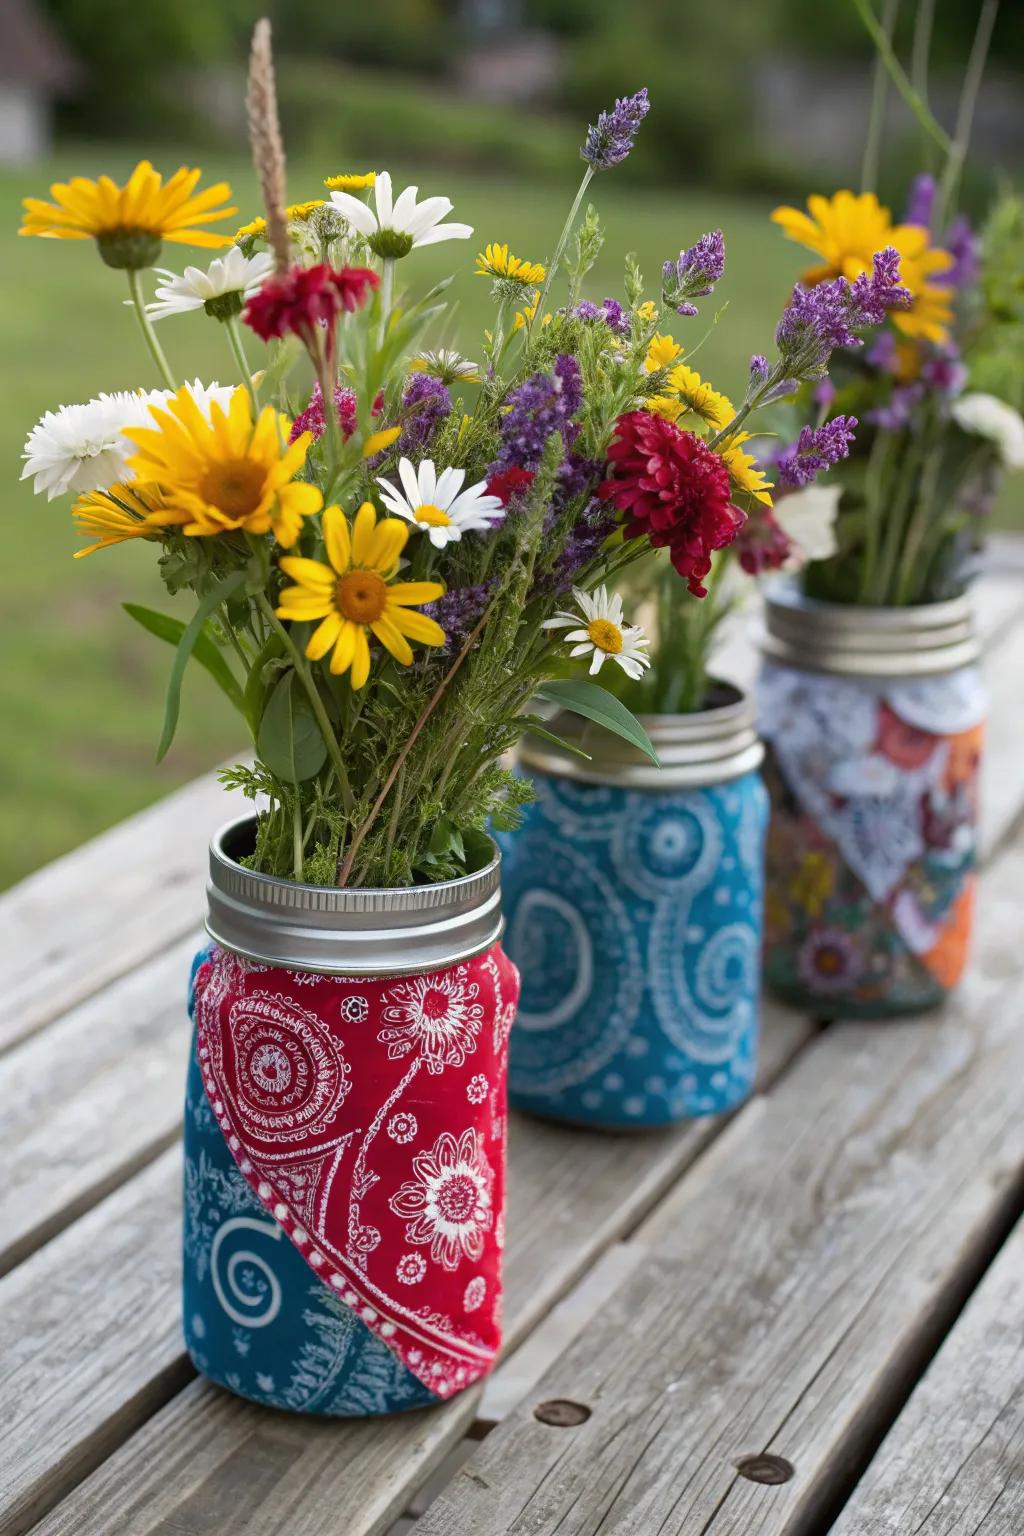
(130, 223)
(296, 213)
(661, 351)
(225, 473)
(379, 440)
(113, 516)
(356, 595)
(647, 311)
(495, 261)
(525, 315)
(351, 182)
(744, 470)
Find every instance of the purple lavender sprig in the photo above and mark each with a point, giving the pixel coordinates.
(545, 403)
(610, 311)
(816, 449)
(921, 202)
(694, 273)
(610, 139)
(458, 610)
(818, 320)
(425, 404)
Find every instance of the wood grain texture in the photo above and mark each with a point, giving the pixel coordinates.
(90, 1342)
(953, 1464)
(90, 917)
(571, 1194)
(799, 1278)
(91, 1099)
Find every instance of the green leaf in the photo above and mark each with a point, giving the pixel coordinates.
(538, 727)
(290, 742)
(205, 650)
(597, 704)
(189, 639)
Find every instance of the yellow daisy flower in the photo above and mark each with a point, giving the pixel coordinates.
(130, 223)
(351, 182)
(115, 515)
(356, 595)
(847, 231)
(225, 473)
(661, 351)
(744, 470)
(297, 213)
(495, 261)
(697, 396)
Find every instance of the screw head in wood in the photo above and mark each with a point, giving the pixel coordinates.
(561, 1413)
(765, 1468)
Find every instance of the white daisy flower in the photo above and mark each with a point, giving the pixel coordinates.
(438, 504)
(398, 225)
(603, 635)
(988, 416)
(220, 290)
(80, 448)
(447, 365)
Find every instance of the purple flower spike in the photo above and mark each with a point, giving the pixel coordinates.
(816, 448)
(921, 203)
(759, 371)
(894, 416)
(817, 320)
(458, 610)
(425, 404)
(610, 139)
(694, 273)
(962, 244)
(545, 403)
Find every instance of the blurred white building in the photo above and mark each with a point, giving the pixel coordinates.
(35, 68)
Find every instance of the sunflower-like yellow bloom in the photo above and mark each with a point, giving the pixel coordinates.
(744, 470)
(296, 212)
(661, 351)
(356, 595)
(130, 223)
(847, 230)
(696, 395)
(349, 182)
(225, 473)
(496, 261)
(113, 516)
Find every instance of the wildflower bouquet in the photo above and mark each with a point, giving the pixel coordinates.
(938, 393)
(389, 567)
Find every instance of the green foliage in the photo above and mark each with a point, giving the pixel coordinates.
(289, 742)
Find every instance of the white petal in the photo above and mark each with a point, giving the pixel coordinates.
(581, 650)
(382, 197)
(428, 483)
(444, 232)
(358, 214)
(410, 484)
(430, 212)
(403, 213)
(598, 661)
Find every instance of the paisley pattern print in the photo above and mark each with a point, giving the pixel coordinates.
(872, 849)
(345, 1181)
(638, 934)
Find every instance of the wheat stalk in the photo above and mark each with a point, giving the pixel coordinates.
(265, 138)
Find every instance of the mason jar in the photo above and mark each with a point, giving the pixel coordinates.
(634, 903)
(873, 720)
(345, 1129)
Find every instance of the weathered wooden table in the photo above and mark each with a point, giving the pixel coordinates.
(807, 1317)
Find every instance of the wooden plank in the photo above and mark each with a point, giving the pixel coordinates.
(90, 1342)
(92, 1099)
(953, 1463)
(1002, 765)
(798, 1280)
(81, 922)
(571, 1195)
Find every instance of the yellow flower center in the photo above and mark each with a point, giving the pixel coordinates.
(605, 635)
(361, 596)
(235, 486)
(432, 516)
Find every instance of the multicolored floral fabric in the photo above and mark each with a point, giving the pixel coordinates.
(872, 848)
(367, 1119)
(636, 917)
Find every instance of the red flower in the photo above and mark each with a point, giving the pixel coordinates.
(303, 298)
(761, 544)
(508, 483)
(674, 490)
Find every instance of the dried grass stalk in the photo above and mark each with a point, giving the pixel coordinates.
(265, 138)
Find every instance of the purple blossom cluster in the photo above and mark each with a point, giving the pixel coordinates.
(816, 449)
(312, 419)
(694, 273)
(596, 522)
(895, 414)
(425, 404)
(610, 139)
(921, 202)
(959, 240)
(458, 611)
(610, 311)
(819, 319)
(544, 404)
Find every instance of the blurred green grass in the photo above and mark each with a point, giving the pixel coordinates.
(82, 687)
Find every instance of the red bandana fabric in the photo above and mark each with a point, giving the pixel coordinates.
(368, 1116)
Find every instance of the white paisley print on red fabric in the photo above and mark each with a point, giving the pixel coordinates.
(449, 1201)
(438, 1016)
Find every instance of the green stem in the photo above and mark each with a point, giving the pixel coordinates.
(297, 839)
(898, 75)
(149, 335)
(553, 265)
(879, 96)
(874, 479)
(950, 182)
(923, 24)
(313, 694)
(387, 292)
(238, 353)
